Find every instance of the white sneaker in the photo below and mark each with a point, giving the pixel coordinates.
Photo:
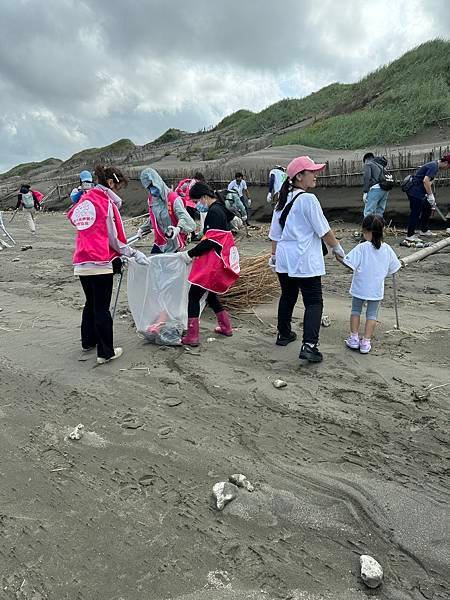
(447, 230)
(412, 238)
(427, 233)
(117, 354)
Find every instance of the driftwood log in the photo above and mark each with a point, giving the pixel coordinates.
(420, 254)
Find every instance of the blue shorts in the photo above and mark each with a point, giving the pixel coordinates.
(371, 311)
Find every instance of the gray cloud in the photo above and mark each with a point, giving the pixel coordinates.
(79, 73)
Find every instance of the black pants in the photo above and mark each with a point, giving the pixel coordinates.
(419, 216)
(311, 289)
(96, 323)
(195, 295)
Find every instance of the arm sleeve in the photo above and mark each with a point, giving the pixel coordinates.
(394, 263)
(19, 201)
(353, 258)
(114, 241)
(185, 222)
(231, 186)
(75, 195)
(203, 247)
(367, 176)
(316, 217)
(271, 183)
(432, 170)
(275, 231)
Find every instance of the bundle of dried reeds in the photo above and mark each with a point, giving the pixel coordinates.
(256, 284)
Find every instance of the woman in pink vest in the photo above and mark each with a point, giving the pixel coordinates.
(170, 221)
(215, 264)
(100, 242)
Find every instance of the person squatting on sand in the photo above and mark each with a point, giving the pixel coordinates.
(215, 264)
(29, 202)
(297, 230)
(99, 244)
(371, 262)
(169, 218)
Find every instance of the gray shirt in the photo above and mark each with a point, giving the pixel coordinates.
(372, 172)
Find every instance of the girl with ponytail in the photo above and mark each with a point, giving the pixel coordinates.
(371, 261)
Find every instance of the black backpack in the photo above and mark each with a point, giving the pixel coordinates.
(386, 179)
(407, 183)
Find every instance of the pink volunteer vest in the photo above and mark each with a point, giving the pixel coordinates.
(184, 194)
(213, 272)
(89, 216)
(160, 238)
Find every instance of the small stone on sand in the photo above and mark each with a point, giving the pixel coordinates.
(223, 493)
(77, 433)
(241, 481)
(279, 383)
(371, 571)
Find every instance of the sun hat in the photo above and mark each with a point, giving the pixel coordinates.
(302, 163)
(86, 176)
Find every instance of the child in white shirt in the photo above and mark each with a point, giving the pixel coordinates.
(371, 261)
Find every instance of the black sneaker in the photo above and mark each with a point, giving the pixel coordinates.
(311, 354)
(284, 341)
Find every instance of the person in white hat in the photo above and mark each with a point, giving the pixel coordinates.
(297, 231)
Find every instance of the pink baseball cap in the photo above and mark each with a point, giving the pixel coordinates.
(302, 163)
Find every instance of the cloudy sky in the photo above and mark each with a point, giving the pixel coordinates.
(83, 73)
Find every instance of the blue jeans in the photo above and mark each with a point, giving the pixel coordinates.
(371, 311)
(376, 202)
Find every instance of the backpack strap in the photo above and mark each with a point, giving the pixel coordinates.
(287, 210)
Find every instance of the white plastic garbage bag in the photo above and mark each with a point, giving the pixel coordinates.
(158, 298)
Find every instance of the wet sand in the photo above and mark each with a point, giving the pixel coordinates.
(345, 459)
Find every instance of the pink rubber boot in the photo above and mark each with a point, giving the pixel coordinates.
(192, 336)
(224, 328)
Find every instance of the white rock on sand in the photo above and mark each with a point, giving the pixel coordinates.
(371, 571)
(223, 493)
(241, 481)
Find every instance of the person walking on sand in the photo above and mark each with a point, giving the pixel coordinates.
(100, 243)
(29, 202)
(371, 262)
(168, 215)
(215, 264)
(421, 198)
(297, 230)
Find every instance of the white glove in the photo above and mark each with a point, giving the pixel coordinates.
(365, 197)
(272, 263)
(431, 199)
(140, 258)
(173, 231)
(249, 202)
(338, 250)
(236, 222)
(185, 257)
(269, 197)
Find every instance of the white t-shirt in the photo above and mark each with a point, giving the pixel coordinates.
(370, 269)
(280, 177)
(299, 247)
(239, 187)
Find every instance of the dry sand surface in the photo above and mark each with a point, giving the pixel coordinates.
(346, 459)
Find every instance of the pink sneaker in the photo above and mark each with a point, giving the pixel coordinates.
(352, 341)
(365, 346)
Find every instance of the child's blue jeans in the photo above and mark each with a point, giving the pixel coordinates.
(371, 311)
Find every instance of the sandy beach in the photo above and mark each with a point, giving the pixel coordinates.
(351, 457)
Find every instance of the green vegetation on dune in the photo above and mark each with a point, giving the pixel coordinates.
(24, 168)
(235, 118)
(387, 106)
(171, 135)
(290, 111)
(122, 146)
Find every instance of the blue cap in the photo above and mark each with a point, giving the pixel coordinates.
(86, 176)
